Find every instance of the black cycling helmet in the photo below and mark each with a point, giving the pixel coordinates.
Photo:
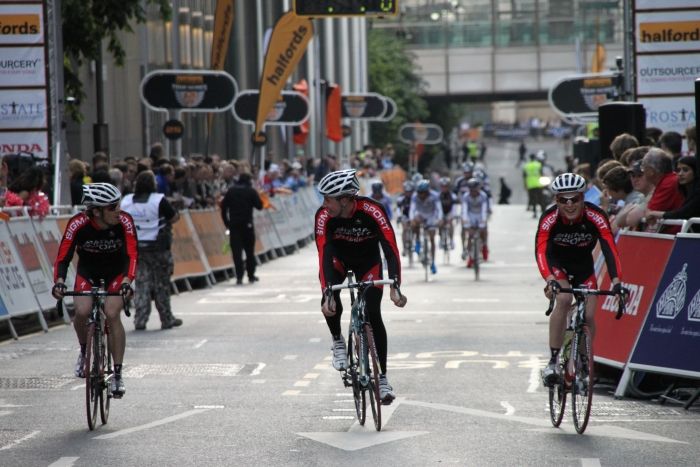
(377, 187)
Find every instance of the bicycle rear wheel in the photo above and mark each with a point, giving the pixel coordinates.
(92, 381)
(557, 402)
(373, 373)
(354, 368)
(105, 362)
(582, 388)
(475, 255)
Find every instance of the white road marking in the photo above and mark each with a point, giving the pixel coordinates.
(200, 343)
(5, 412)
(290, 357)
(534, 381)
(322, 366)
(343, 410)
(497, 364)
(311, 375)
(291, 392)
(208, 407)
(510, 410)
(17, 442)
(543, 425)
(337, 417)
(154, 424)
(258, 369)
(389, 313)
(64, 462)
(590, 462)
(259, 381)
(315, 339)
(476, 300)
(302, 384)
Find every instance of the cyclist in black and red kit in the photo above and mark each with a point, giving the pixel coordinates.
(566, 235)
(105, 240)
(349, 230)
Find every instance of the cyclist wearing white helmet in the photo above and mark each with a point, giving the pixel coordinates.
(448, 201)
(425, 211)
(566, 235)
(349, 230)
(475, 213)
(105, 239)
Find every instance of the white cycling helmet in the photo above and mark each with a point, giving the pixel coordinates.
(339, 183)
(100, 194)
(568, 183)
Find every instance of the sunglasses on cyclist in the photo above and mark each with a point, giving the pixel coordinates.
(573, 199)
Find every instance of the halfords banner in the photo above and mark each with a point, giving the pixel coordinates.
(643, 259)
(667, 31)
(21, 24)
(670, 339)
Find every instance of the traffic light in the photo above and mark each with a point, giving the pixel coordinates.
(331, 8)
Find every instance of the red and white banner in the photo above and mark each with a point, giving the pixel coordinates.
(35, 142)
(15, 288)
(643, 258)
(34, 258)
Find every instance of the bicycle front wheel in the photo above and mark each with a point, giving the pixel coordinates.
(582, 389)
(105, 362)
(373, 373)
(92, 381)
(475, 256)
(557, 402)
(354, 369)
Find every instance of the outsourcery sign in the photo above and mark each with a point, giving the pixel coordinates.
(667, 74)
(22, 66)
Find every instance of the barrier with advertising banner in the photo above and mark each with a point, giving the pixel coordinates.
(15, 289)
(670, 338)
(186, 250)
(212, 235)
(34, 259)
(643, 257)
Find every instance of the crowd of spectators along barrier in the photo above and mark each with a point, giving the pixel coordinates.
(29, 246)
(660, 332)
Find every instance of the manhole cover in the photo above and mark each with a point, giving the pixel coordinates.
(34, 383)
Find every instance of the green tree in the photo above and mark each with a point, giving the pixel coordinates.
(392, 73)
(86, 23)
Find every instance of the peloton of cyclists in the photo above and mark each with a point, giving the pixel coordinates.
(425, 211)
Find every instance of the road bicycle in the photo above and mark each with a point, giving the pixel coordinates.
(446, 240)
(426, 259)
(407, 237)
(362, 369)
(98, 355)
(576, 359)
(474, 250)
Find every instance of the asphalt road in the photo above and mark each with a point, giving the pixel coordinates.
(247, 380)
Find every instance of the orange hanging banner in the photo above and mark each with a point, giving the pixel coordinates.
(223, 23)
(287, 45)
(334, 130)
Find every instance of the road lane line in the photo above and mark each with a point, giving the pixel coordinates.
(590, 462)
(64, 462)
(534, 381)
(315, 339)
(311, 375)
(291, 392)
(290, 357)
(258, 369)
(79, 386)
(200, 343)
(5, 412)
(301, 384)
(17, 442)
(154, 424)
(510, 410)
(389, 314)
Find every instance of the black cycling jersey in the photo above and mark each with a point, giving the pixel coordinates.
(404, 204)
(102, 253)
(447, 201)
(569, 246)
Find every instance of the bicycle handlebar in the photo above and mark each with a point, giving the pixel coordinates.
(95, 293)
(622, 297)
(361, 284)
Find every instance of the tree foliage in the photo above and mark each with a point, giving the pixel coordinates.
(86, 24)
(392, 73)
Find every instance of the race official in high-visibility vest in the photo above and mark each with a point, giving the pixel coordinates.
(532, 171)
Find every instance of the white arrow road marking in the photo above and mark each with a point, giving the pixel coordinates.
(64, 462)
(18, 441)
(164, 421)
(510, 410)
(545, 426)
(361, 437)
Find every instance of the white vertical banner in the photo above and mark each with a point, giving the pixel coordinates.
(34, 260)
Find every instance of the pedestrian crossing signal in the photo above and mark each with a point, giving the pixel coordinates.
(340, 8)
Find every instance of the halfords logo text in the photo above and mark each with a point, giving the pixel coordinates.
(287, 56)
(685, 31)
(19, 24)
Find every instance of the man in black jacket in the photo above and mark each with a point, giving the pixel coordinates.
(237, 213)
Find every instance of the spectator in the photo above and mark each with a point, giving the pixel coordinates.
(100, 161)
(295, 180)
(692, 137)
(156, 152)
(237, 214)
(617, 184)
(653, 135)
(165, 178)
(632, 214)
(633, 155)
(593, 193)
(522, 151)
(603, 168)
(25, 190)
(621, 143)
(689, 186)
(379, 195)
(504, 194)
(672, 143)
(77, 174)
(153, 216)
(327, 165)
(117, 178)
(532, 171)
(657, 167)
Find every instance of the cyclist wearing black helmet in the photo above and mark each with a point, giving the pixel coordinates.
(566, 235)
(379, 195)
(349, 230)
(105, 239)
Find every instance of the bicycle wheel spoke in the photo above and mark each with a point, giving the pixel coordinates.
(557, 402)
(91, 394)
(353, 368)
(373, 365)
